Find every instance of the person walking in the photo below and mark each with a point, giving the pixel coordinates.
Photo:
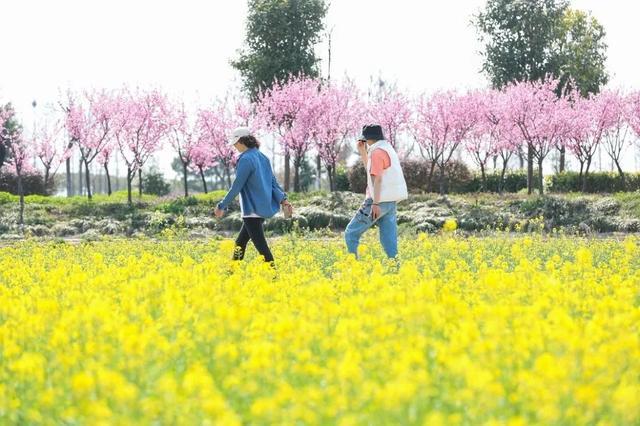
(260, 194)
(386, 186)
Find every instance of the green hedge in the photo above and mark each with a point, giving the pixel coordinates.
(598, 182)
(32, 183)
(416, 173)
(514, 181)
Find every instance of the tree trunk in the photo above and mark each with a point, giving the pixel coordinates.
(140, 182)
(21, 193)
(185, 179)
(46, 179)
(529, 168)
(87, 178)
(442, 176)
(586, 175)
(80, 177)
(319, 171)
(540, 176)
(331, 176)
(69, 183)
(204, 182)
(502, 174)
(296, 175)
(563, 154)
(287, 172)
(106, 170)
(521, 159)
(430, 177)
(620, 172)
(484, 177)
(129, 190)
(227, 170)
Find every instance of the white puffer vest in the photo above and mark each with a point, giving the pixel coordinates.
(394, 187)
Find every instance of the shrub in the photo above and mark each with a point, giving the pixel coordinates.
(342, 179)
(32, 183)
(597, 182)
(514, 181)
(416, 173)
(155, 184)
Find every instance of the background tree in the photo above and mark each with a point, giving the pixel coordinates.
(616, 132)
(183, 139)
(9, 129)
(141, 126)
(50, 147)
(441, 123)
(280, 42)
(291, 110)
(214, 125)
(529, 40)
(17, 149)
(542, 117)
(339, 118)
(91, 126)
(391, 111)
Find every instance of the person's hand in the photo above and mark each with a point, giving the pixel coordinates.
(362, 148)
(287, 208)
(375, 212)
(219, 213)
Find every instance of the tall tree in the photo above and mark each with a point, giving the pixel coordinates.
(529, 40)
(91, 126)
(280, 42)
(292, 110)
(542, 117)
(141, 125)
(339, 114)
(521, 39)
(9, 127)
(50, 147)
(17, 151)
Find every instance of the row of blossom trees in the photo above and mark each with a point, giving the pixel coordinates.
(308, 116)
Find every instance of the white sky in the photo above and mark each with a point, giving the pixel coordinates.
(184, 46)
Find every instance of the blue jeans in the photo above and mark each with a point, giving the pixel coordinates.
(363, 221)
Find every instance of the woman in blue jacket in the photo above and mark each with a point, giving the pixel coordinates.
(260, 194)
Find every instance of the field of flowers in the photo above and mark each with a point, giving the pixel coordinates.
(493, 330)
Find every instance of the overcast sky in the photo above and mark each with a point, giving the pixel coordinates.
(184, 46)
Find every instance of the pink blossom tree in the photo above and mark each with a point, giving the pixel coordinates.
(483, 139)
(543, 120)
(183, 138)
(17, 151)
(590, 119)
(213, 150)
(91, 126)
(392, 111)
(616, 127)
(441, 123)
(340, 112)
(50, 146)
(291, 110)
(143, 122)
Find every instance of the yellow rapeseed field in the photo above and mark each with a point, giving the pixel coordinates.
(494, 330)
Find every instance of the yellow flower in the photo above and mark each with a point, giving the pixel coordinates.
(450, 225)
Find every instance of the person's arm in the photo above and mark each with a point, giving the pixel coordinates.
(377, 188)
(243, 171)
(362, 149)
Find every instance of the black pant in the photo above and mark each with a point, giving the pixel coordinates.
(252, 229)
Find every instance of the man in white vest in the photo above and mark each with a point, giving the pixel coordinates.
(385, 187)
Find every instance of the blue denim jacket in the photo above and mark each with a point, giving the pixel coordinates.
(260, 192)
